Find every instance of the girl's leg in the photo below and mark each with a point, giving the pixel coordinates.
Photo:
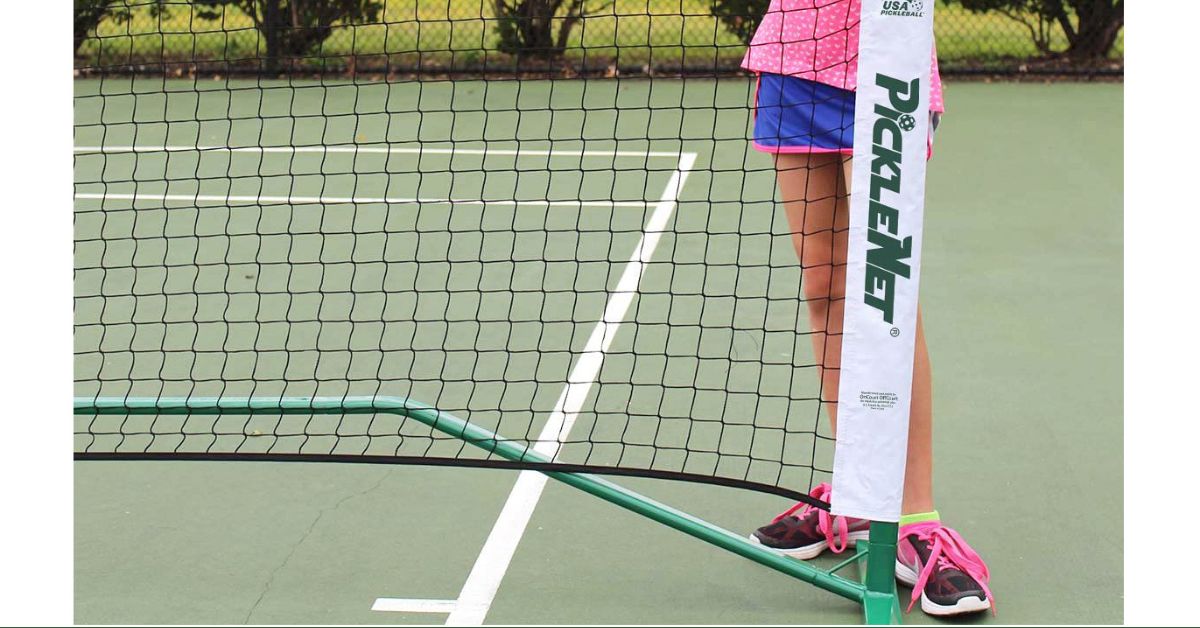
(815, 190)
(918, 472)
(814, 197)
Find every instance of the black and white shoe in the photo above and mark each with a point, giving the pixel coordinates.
(945, 573)
(804, 531)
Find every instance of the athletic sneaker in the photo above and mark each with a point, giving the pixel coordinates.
(944, 572)
(804, 531)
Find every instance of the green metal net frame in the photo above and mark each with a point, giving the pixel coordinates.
(874, 589)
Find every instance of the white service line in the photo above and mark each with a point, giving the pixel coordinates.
(335, 200)
(419, 150)
(408, 605)
(481, 586)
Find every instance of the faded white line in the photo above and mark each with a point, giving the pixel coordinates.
(349, 200)
(388, 150)
(481, 586)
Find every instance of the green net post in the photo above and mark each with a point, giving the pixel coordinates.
(881, 604)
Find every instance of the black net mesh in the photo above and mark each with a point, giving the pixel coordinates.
(569, 244)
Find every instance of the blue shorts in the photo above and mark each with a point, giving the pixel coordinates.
(795, 115)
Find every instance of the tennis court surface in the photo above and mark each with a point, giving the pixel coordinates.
(593, 273)
(185, 542)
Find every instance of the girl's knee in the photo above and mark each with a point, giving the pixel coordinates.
(823, 283)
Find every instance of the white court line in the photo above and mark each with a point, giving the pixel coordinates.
(335, 200)
(408, 605)
(479, 590)
(481, 586)
(419, 150)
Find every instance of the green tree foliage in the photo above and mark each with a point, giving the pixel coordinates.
(538, 28)
(289, 28)
(740, 17)
(294, 28)
(1091, 26)
(89, 14)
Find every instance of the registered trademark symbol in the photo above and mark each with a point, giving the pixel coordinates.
(895, 332)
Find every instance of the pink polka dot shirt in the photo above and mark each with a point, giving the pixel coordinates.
(816, 40)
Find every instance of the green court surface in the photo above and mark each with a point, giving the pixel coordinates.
(1021, 290)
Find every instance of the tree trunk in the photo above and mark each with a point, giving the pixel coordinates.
(527, 28)
(80, 37)
(538, 25)
(1100, 22)
(575, 12)
(273, 27)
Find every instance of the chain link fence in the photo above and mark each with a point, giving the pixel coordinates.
(450, 36)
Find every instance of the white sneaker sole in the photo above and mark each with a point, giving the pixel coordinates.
(965, 605)
(809, 552)
(903, 573)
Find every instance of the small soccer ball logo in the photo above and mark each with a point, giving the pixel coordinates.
(915, 7)
(907, 122)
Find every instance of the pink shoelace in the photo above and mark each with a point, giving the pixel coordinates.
(948, 551)
(834, 528)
